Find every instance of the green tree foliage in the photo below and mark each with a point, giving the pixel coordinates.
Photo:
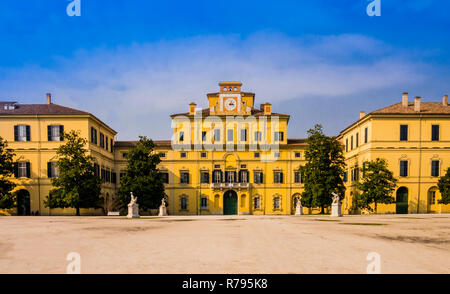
(7, 198)
(77, 185)
(142, 176)
(324, 170)
(377, 185)
(444, 188)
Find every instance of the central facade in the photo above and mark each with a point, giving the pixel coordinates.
(230, 158)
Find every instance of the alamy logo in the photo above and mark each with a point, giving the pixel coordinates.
(74, 8)
(374, 267)
(374, 8)
(74, 267)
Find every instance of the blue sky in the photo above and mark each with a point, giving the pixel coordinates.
(132, 63)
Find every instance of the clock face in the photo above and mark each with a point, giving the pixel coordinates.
(230, 104)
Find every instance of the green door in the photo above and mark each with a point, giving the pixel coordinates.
(401, 203)
(23, 202)
(230, 202)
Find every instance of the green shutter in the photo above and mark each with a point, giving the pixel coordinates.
(28, 170)
(28, 133)
(16, 133)
(49, 133)
(16, 169)
(61, 133)
(49, 169)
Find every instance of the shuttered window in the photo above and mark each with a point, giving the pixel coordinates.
(22, 133)
(403, 132)
(435, 133)
(55, 132)
(435, 168)
(403, 168)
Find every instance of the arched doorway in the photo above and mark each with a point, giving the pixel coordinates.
(432, 199)
(23, 202)
(401, 205)
(230, 202)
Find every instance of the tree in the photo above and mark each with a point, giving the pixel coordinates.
(142, 176)
(324, 169)
(77, 185)
(7, 198)
(444, 188)
(377, 185)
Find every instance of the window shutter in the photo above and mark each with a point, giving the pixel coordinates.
(281, 178)
(221, 176)
(16, 169)
(28, 133)
(49, 169)
(49, 133)
(61, 133)
(16, 133)
(275, 177)
(187, 178)
(28, 170)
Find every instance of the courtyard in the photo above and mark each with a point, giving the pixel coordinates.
(416, 243)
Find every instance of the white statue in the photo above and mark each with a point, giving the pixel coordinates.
(298, 207)
(133, 207)
(336, 205)
(162, 208)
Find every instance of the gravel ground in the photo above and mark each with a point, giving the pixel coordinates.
(226, 244)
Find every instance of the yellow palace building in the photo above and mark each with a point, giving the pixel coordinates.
(234, 157)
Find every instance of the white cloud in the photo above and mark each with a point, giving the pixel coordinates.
(135, 89)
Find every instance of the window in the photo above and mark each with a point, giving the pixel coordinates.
(278, 177)
(204, 136)
(366, 134)
(297, 177)
(183, 203)
(184, 178)
(124, 154)
(258, 177)
(21, 133)
(204, 203)
(351, 143)
(183, 155)
(256, 154)
(435, 168)
(403, 168)
(113, 178)
(102, 140)
(346, 145)
(216, 135)
(52, 170)
(432, 197)
(279, 136)
(217, 166)
(181, 136)
(355, 174)
(403, 132)
(162, 155)
(106, 143)
(217, 176)
(230, 135)
(112, 145)
(345, 177)
(203, 155)
(230, 176)
(165, 178)
(204, 177)
(276, 203)
(435, 133)
(277, 154)
(22, 170)
(93, 135)
(257, 203)
(244, 135)
(357, 140)
(257, 136)
(55, 133)
(243, 176)
(297, 154)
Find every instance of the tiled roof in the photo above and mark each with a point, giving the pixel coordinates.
(158, 143)
(425, 108)
(42, 109)
(296, 141)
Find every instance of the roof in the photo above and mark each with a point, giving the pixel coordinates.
(425, 108)
(243, 94)
(296, 142)
(158, 143)
(43, 109)
(255, 112)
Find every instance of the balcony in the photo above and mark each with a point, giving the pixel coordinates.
(222, 186)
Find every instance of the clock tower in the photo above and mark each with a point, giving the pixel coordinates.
(230, 100)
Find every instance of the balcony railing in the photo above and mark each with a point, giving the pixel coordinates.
(230, 186)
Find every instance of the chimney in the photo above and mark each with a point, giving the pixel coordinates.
(267, 108)
(192, 107)
(417, 104)
(362, 114)
(405, 99)
(49, 98)
(445, 100)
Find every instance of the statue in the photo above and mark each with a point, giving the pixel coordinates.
(163, 208)
(133, 207)
(336, 206)
(298, 207)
